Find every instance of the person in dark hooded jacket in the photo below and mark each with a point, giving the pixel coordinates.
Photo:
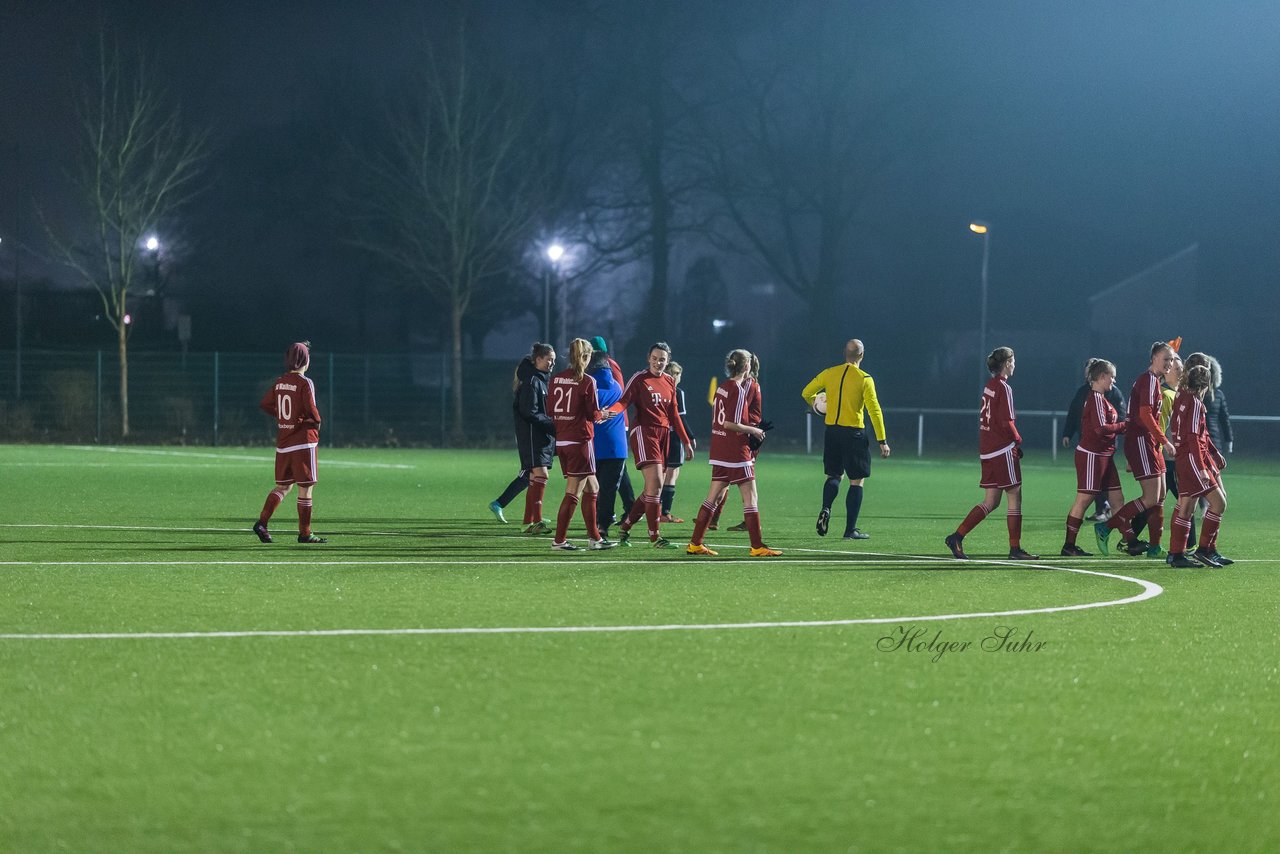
(535, 437)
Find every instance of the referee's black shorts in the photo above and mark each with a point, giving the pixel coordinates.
(845, 450)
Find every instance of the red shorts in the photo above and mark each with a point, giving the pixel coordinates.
(734, 474)
(648, 445)
(1195, 476)
(1096, 472)
(1001, 470)
(296, 466)
(1144, 457)
(577, 459)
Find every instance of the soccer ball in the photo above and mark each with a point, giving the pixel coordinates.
(819, 405)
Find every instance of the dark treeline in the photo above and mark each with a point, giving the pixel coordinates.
(779, 176)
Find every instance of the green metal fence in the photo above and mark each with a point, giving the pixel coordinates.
(212, 398)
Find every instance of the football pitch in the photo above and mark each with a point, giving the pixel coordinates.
(430, 680)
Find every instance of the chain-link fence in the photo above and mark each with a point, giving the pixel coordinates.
(212, 398)
(388, 400)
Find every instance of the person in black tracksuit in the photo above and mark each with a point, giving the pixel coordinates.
(535, 437)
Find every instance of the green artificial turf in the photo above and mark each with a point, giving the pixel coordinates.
(1148, 726)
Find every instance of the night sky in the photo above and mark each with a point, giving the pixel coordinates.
(1096, 138)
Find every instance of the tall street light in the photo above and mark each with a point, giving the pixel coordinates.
(554, 253)
(984, 229)
(17, 328)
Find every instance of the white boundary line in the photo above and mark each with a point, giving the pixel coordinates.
(1149, 591)
(242, 457)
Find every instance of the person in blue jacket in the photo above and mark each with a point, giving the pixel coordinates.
(610, 440)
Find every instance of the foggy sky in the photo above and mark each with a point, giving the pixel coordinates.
(1097, 138)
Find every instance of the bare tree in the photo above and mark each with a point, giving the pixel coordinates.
(639, 188)
(138, 166)
(805, 138)
(449, 187)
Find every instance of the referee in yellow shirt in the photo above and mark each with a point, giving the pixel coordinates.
(845, 449)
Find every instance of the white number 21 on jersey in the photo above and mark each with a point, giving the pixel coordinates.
(563, 400)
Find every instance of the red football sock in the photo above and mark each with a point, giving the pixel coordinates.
(533, 500)
(567, 506)
(752, 517)
(1073, 528)
(976, 515)
(1013, 519)
(274, 497)
(1122, 521)
(304, 517)
(589, 505)
(1179, 533)
(633, 516)
(1209, 531)
(701, 522)
(652, 509)
(1155, 524)
(715, 514)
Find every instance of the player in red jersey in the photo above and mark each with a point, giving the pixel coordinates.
(1000, 447)
(1198, 462)
(1142, 443)
(732, 458)
(291, 400)
(755, 419)
(1095, 455)
(653, 395)
(572, 402)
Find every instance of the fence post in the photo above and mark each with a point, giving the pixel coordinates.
(1053, 439)
(216, 383)
(444, 395)
(920, 434)
(366, 389)
(808, 432)
(97, 430)
(333, 403)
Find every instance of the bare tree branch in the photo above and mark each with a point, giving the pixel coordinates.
(138, 167)
(448, 187)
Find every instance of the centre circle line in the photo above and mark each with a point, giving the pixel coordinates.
(1150, 590)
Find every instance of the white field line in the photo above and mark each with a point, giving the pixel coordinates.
(238, 457)
(583, 561)
(1149, 591)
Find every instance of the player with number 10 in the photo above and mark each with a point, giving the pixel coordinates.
(291, 400)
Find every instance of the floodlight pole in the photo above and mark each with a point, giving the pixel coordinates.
(554, 253)
(982, 326)
(546, 304)
(17, 326)
(982, 228)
